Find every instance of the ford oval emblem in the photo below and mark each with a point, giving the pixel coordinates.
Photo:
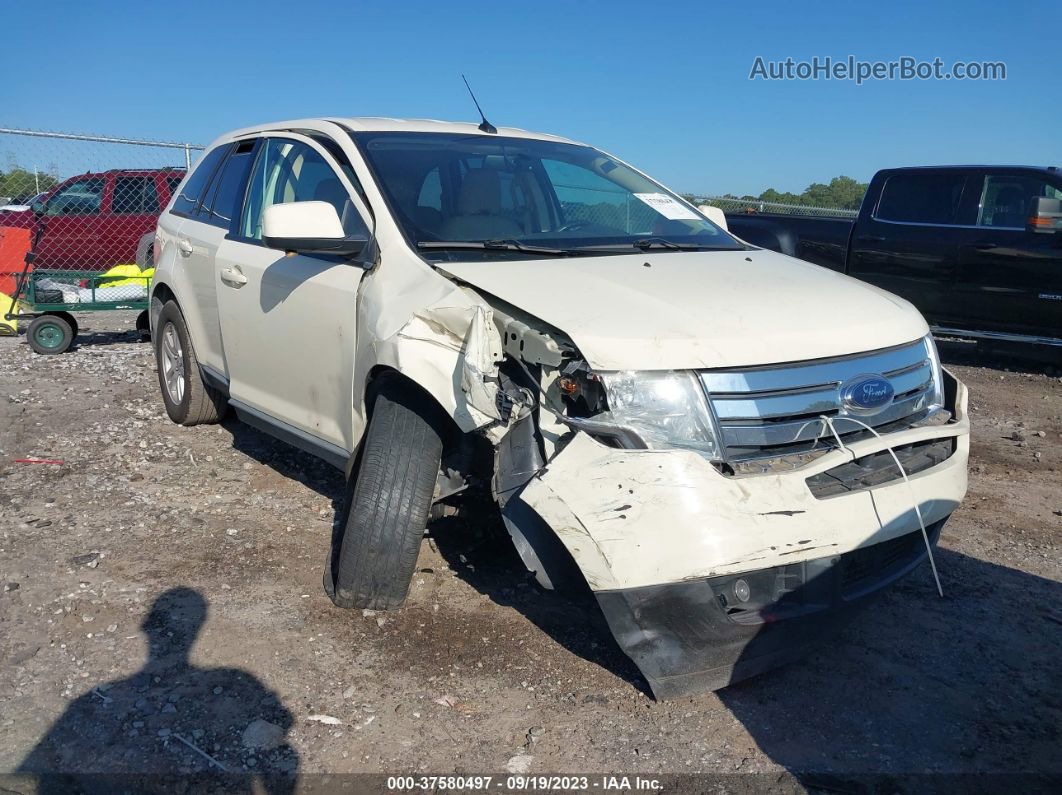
(866, 394)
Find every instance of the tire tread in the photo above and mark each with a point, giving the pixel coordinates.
(388, 502)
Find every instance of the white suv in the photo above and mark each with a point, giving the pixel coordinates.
(700, 430)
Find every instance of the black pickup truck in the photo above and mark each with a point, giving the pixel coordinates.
(978, 249)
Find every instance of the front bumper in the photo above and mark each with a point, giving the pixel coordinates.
(647, 529)
(689, 637)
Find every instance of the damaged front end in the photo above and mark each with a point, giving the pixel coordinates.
(719, 525)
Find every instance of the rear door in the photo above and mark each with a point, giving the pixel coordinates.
(909, 243)
(133, 209)
(1010, 280)
(197, 242)
(289, 322)
(72, 226)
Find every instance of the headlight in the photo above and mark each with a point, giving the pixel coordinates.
(668, 409)
(936, 400)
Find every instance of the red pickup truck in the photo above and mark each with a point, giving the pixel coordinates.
(95, 221)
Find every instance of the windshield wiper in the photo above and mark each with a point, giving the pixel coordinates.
(647, 243)
(494, 245)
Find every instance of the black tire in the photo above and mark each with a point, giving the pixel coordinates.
(195, 402)
(388, 499)
(72, 321)
(143, 326)
(50, 334)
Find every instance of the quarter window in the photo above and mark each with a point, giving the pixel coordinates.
(1005, 199)
(921, 198)
(290, 171)
(135, 196)
(194, 186)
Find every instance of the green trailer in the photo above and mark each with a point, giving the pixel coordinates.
(48, 298)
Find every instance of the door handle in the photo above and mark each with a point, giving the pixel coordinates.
(871, 239)
(986, 246)
(185, 247)
(232, 277)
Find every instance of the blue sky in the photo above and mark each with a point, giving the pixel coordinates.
(663, 85)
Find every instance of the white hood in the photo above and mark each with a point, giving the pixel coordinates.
(678, 310)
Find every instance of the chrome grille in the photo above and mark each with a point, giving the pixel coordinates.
(773, 411)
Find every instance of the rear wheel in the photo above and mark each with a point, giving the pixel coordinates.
(388, 499)
(51, 334)
(189, 400)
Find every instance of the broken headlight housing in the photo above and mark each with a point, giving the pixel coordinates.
(667, 409)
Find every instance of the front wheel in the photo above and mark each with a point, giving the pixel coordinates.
(388, 499)
(51, 334)
(189, 401)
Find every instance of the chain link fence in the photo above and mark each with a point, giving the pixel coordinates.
(753, 206)
(86, 205)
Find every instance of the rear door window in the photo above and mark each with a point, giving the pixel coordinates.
(194, 186)
(226, 193)
(135, 196)
(921, 199)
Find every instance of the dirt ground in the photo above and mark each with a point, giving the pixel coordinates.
(147, 533)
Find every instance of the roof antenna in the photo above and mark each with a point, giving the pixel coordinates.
(485, 125)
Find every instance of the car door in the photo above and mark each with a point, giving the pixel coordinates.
(909, 243)
(198, 240)
(288, 321)
(1010, 279)
(133, 208)
(71, 226)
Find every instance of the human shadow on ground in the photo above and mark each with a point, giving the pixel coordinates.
(171, 726)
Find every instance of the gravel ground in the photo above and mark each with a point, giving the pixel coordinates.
(148, 533)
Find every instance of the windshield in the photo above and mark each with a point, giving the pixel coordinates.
(498, 196)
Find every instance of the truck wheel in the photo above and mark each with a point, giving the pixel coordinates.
(50, 334)
(388, 499)
(189, 401)
(143, 325)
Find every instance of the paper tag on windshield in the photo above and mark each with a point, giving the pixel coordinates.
(668, 207)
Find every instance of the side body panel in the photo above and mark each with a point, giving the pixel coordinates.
(823, 241)
(289, 336)
(197, 247)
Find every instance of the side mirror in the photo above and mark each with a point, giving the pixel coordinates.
(715, 215)
(38, 207)
(310, 228)
(1045, 215)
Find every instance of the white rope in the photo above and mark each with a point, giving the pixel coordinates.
(828, 422)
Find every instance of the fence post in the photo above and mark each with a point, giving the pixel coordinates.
(187, 158)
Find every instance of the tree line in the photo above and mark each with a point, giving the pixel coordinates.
(842, 193)
(18, 183)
